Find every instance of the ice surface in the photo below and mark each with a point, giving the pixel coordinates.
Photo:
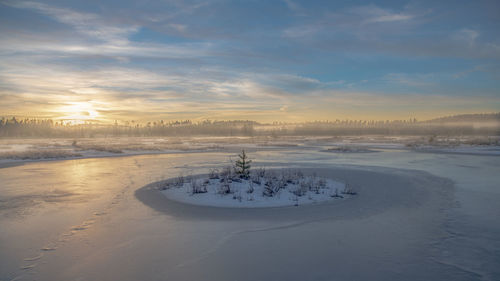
(91, 219)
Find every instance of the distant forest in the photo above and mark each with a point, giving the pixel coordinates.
(469, 124)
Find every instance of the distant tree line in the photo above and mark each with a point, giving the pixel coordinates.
(32, 127)
(457, 125)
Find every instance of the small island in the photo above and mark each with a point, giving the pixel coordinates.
(238, 185)
(349, 149)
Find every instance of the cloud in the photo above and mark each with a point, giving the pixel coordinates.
(374, 14)
(180, 28)
(105, 38)
(292, 5)
(375, 30)
(414, 80)
(87, 24)
(491, 69)
(466, 35)
(205, 91)
(354, 19)
(301, 31)
(33, 45)
(198, 59)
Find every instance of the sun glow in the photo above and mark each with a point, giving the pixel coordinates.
(78, 112)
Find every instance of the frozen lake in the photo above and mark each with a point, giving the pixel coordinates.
(86, 219)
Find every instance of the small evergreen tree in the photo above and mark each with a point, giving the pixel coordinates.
(243, 165)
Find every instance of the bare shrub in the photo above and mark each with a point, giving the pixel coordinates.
(299, 174)
(270, 176)
(224, 188)
(250, 188)
(280, 183)
(179, 181)
(255, 179)
(188, 178)
(237, 196)
(261, 172)
(273, 183)
(322, 183)
(227, 172)
(336, 194)
(213, 174)
(301, 189)
(196, 187)
(268, 189)
(161, 184)
(309, 182)
(314, 183)
(349, 190)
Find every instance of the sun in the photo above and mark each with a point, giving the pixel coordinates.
(78, 112)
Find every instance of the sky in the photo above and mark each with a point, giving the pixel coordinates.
(267, 61)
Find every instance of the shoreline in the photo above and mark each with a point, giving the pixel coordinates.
(5, 163)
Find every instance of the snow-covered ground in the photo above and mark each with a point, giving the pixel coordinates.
(254, 193)
(45, 149)
(417, 216)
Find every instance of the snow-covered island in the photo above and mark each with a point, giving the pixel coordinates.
(239, 186)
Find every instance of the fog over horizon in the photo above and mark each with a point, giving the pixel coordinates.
(458, 125)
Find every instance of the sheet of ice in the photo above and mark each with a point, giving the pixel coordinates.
(463, 149)
(81, 220)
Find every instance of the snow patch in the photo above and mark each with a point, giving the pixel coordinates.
(264, 189)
